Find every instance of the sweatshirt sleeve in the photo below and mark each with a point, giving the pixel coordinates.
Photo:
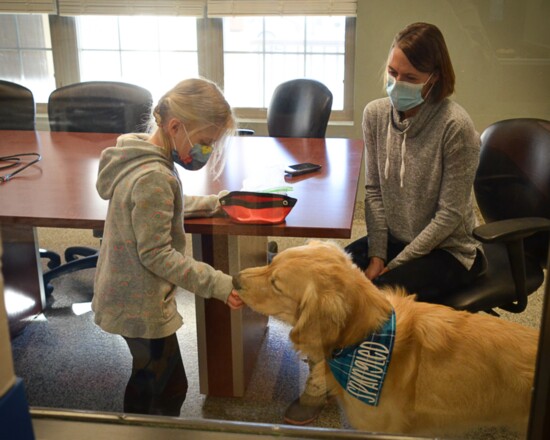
(203, 206)
(153, 220)
(375, 216)
(461, 158)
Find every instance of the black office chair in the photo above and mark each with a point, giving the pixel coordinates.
(299, 108)
(512, 188)
(17, 108)
(99, 106)
(102, 107)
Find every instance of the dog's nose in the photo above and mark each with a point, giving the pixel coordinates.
(236, 283)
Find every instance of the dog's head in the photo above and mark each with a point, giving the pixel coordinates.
(315, 288)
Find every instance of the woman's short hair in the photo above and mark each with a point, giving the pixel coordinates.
(424, 46)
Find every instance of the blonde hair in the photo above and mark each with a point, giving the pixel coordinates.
(199, 103)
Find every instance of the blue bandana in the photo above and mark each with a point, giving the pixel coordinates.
(361, 369)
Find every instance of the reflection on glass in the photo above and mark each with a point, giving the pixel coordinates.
(528, 20)
(501, 52)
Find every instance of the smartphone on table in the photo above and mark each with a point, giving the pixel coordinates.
(301, 168)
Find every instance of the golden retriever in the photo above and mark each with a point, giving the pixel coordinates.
(449, 371)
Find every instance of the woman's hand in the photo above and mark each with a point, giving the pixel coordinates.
(234, 301)
(375, 268)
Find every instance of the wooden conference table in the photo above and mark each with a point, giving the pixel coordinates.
(59, 191)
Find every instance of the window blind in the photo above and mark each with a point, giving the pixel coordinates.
(194, 8)
(28, 6)
(223, 8)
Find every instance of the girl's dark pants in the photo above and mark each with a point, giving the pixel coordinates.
(158, 384)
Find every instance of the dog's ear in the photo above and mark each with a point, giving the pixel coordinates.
(321, 317)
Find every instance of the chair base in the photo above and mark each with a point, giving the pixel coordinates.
(76, 264)
(55, 259)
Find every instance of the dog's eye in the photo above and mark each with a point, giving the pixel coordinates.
(275, 286)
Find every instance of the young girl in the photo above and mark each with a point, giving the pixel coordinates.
(142, 260)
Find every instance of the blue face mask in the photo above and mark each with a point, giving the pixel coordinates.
(198, 156)
(404, 95)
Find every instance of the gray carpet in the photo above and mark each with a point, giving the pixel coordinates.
(68, 362)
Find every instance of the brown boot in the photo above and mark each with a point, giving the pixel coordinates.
(305, 409)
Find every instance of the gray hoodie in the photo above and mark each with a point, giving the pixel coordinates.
(419, 179)
(142, 257)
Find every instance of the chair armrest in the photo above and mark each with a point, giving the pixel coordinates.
(511, 229)
(511, 232)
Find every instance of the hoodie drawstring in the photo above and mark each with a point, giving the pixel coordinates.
(388, 147)
(403, 152)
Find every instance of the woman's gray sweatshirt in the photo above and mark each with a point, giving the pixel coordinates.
(419, 177)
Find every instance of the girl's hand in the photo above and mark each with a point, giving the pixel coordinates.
(234, 301)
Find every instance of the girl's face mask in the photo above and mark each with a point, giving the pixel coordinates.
(404, 95)
(197, 158)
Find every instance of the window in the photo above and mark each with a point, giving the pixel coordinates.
(152, 52)
(26, 53)
(248, 56)
(262, 52)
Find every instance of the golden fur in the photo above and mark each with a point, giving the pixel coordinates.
(450, 371)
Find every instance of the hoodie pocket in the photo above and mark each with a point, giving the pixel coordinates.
(169, 305)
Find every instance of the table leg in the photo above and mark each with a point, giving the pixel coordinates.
(228, 341)
(23, 284)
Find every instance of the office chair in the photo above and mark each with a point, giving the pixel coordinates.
(512, 188)
(299, 108)
(101, 107)
(17, 109)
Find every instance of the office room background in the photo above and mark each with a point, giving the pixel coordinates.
(500, 50)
